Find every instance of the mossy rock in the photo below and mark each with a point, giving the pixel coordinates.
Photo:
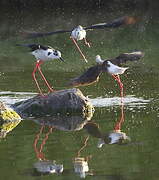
(58, 102)
(9, 119)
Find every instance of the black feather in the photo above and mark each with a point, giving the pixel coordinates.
(34, 47)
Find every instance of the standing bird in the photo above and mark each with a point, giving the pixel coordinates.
(42, 54)
(79, 33)
(113, 70)
(111, 66)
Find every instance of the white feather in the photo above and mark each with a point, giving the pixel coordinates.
(99, 60)
(78, 33)
(114, 69)
(46, 55)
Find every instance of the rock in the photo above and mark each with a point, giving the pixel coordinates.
(58, 102)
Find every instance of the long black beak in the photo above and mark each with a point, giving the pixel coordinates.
(62, 59)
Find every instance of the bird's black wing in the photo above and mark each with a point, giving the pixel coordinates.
(29, 34)
(113, 24)
(124, 57)
(88, 77)
(34, 47)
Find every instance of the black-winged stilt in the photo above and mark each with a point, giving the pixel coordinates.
(111, 66)
(79, 32)
(42, 54)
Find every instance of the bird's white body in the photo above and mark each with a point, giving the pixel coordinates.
(78, 33)
(99, 60)
(46, 55)
(114, 137)
(115, 70)
(111, 68)
(81, 167)
(48, 167)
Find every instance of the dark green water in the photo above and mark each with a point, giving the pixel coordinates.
(136, 160)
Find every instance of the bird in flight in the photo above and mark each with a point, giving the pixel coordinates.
(111, 66)
(79, 33)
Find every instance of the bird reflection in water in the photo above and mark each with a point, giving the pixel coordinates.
(81, 163)
(114, 137)
(45, 166)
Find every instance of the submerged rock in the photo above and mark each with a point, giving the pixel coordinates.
(65, 123)
(58, 102)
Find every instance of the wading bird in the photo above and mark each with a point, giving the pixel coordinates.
(42, 54)
(79, 32)
(111, 66)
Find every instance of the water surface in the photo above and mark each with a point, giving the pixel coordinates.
(137, 159)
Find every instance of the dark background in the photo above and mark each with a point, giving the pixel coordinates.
(148, 6)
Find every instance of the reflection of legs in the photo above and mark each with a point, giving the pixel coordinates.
(45, 139)
(85, 144)
(87, 43)
(40, 155)
(34, 78)
(119, 123)
(43, 77)
(117, 78)
(74, 41)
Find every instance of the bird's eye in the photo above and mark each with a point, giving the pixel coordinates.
(49, 53)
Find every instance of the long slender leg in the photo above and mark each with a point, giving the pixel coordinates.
(120, 85)
(117, 78)
(87, 43)
(74, 41)
(34, 78)
(43, 77)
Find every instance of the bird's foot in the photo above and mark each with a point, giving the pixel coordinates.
(87, 43)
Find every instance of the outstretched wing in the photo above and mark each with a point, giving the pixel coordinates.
(124, 57)
(114, 24)
(88, 77)
(29, 34)
(33, 47)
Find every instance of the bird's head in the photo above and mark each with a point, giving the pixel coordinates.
(99, 60)
(54, 54)
(79, 27)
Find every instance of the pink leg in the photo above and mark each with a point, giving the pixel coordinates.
(120, 85)
(34, 78)
(117, 78)
(43, 77)
(74, 41)
(87, 43)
